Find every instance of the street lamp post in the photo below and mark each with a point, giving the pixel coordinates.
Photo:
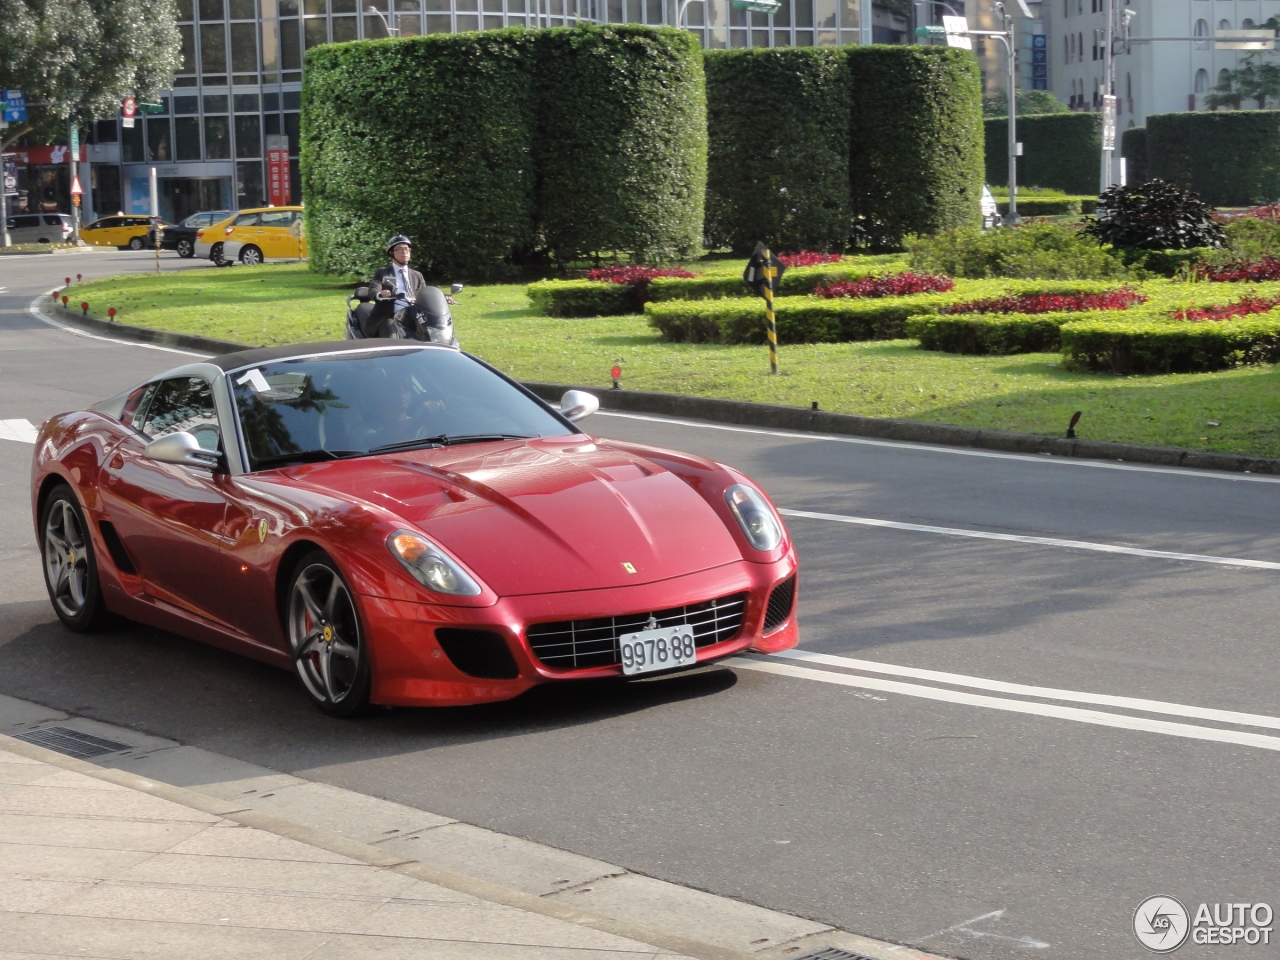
(391, 31)
(1008, 37)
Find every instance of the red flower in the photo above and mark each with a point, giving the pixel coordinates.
(636, 277)
(1248, 304)
(893, 285)
(1243, 271)
(807, 258)
(1121, 299)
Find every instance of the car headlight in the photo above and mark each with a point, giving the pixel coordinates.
(754, 516)
(429, 565)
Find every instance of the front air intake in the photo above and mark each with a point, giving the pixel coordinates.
(778, 610)
(478, 653)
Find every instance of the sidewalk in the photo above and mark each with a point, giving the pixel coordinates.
(91, 867)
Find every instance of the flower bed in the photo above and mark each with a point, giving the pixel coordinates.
(808, 258)
(1242, 271)
(892, 285)
(1246, 306)
(1121, 299)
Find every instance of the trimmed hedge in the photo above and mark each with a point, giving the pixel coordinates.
(1230, 158)
(1059, 150)
(915, 160)
(428, 136)
(621, 150)
(1170, 347)
(583, 298)
(494, 146)
(1133, 147)
(989, 333)
(777, 148)
(796, 281)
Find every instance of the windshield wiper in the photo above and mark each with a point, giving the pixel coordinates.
(446, 440)
(303, 456)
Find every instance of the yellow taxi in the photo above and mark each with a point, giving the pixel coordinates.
(120, 231)
(256, 235)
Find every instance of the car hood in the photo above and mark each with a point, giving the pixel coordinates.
(542, 516)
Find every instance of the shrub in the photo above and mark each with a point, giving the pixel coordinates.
(785, 179)
(1059, 150)
(1243, 271)
(1133, 147)
(1227, 157)
(1154, 216)
(380, 158)
(1246, 306)
(636, 277)
(1034, 250)
(1043, 206)
(987, 333)
(1162, 347)
(1025, 303)
(916, 142)
(1253, 237)
(893, 285)
(795, 282)
(621, 146)
(1169, 263)
(807, 258)
(582, 298)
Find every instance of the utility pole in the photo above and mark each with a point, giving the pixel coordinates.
(1108, 102)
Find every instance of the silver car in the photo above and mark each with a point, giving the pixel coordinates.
(40, 228)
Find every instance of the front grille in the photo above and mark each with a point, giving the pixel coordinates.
(780, 603)
(571, 644)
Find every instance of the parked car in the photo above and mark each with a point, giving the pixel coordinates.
(256, 235)
(123, 232)
(182, 236)
(40, 228)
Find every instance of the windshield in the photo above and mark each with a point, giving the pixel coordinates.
(343, 405)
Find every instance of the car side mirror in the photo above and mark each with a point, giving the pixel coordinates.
(455, 288)
(577, 405)
(183, 448)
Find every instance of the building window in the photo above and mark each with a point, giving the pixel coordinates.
(159, 149)
(1202, 81)
(1224, 25)
(248, 137)
(217, 138)
(187, 138)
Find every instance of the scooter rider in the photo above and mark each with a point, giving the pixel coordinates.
(396, 288)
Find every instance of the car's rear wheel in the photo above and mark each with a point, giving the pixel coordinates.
(250, 256)
(185, 250)
(328, 646)
(70, 568)
(135, 243)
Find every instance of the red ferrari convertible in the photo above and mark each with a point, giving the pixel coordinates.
(402, 525)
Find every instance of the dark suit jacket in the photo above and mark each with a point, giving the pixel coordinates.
(380, 321)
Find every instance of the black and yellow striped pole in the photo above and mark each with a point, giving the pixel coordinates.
(763, 272)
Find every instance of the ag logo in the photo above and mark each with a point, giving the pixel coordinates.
(262, 530)
(1161, 924)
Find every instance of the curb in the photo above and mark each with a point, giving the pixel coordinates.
(797, 418)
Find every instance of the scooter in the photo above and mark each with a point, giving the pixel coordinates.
(433, 323)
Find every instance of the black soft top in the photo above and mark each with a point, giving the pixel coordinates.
(252, 358)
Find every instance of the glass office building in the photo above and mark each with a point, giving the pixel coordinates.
(241, 78)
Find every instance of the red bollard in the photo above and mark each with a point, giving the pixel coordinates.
(77, 276)
(68, 281)
(64, 301)
(111, 314)
(85, 308)
(617, 376)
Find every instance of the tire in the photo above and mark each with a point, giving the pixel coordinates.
(215, 256)
(70, 567)
(325, 637)
(251, 256)
(135, 243)
(186, 250)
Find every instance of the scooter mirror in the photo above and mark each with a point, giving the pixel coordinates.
(455, 288)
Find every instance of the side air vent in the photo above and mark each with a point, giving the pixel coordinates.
(780, 603)
(478, 653)
(115, 547)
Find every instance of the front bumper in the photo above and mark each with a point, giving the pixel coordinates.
(411, 668)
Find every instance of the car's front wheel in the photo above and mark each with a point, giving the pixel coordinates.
(251, 256)
(70, 568)
(135, 243)
(185, 250)
(328, 646)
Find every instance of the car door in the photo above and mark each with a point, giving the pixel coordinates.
(245, 229)
(171, 516)
(276, 242)
(25, 228)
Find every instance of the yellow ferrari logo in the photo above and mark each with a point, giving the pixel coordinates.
(628, 567)
(262, 531)
(328, 634)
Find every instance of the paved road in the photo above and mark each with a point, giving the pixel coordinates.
(968, 811)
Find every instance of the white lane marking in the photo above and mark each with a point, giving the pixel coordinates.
(1055, 459)
(1047, 693)
(1035, 541)
(20, 430)
(965, 928)
(33, 308)
(1097, 717)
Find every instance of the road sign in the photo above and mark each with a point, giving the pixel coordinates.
(129, 108)
(15, 106)
(75, 187)
(957, 29)
(1108, 123)
(151, 107)
(75, 142)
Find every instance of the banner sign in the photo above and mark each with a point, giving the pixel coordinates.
(279, 190)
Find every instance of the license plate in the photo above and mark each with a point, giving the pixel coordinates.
(659, 649)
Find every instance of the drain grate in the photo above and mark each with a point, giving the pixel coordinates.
(71, 743)
(831, 953)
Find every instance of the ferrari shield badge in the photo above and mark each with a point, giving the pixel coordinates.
(262, 530)
(628, 567)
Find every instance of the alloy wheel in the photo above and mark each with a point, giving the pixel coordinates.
(66, 559)
(135, 243)
(251, 256)
(185, 249)
(324, 634)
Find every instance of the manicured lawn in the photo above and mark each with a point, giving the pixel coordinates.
(1025, 392)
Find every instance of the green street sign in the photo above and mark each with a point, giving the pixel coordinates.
(926, 33)
(151, 107)
(758, 6)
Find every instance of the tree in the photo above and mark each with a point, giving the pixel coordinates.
(1030, 103)
(76, 60)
